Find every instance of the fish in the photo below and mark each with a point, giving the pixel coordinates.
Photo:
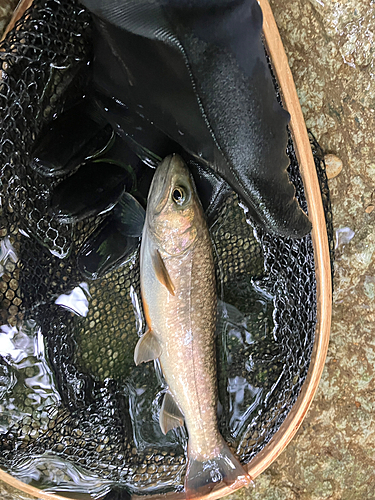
(178, 290)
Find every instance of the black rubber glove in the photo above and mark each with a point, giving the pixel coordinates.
(197, 70)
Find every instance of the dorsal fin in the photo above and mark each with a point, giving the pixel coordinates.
(147, 348)
(170, 414)
(161, 272)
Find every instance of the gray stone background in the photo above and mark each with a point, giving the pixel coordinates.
(6, 9)
(331, 50)
(331, 45)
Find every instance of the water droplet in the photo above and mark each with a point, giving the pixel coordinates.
(343, 236)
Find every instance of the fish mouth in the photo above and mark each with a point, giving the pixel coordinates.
(172, 167)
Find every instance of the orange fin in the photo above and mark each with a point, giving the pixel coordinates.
(202, 477)
(162, 272)
(170, 414)
(147, 348)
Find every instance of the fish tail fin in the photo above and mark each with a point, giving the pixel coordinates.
(204, 476)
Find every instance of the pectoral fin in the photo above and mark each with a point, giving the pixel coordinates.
(170, 414)
(130, 213)
(147, 348)
(161, 272)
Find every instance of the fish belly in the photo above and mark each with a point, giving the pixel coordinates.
(185, 325)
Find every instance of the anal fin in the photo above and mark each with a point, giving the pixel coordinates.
(147, 348)
(170, 414)
(161, 272)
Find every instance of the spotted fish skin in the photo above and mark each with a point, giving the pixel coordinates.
(179, 299)
(185, 326)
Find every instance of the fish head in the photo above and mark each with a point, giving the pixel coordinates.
(174, 211)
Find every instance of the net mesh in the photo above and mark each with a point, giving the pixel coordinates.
(95, 423)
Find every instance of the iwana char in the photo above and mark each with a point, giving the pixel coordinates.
(179, 299)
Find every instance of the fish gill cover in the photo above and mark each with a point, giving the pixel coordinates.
(71, 398)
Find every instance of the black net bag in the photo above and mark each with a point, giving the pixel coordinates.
(76, 414)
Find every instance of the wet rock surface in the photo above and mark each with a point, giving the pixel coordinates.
(7, 492)
(330, 46)
(331, 51)
(6, 10)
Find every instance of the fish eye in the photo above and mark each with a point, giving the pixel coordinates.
(178, 195)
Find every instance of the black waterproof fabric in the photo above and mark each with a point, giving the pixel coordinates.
(197, 70)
